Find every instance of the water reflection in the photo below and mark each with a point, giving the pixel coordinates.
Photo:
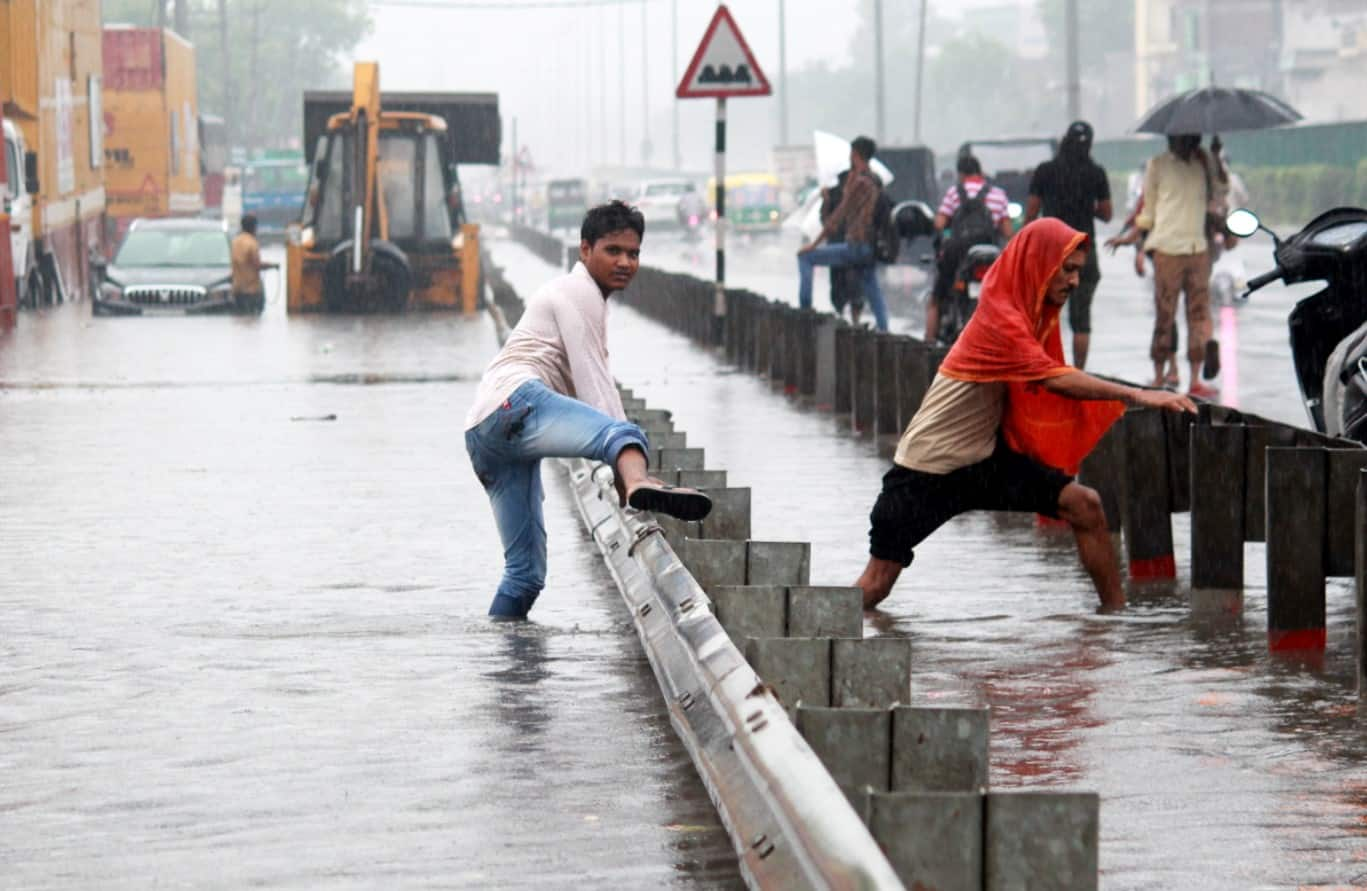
(516, 698)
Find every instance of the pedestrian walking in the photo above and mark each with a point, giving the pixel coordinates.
(1005, 421)
(1073, 188)
(550, 394)
(249, 295)
(855, 215)
(975, 212)
(1182, 186)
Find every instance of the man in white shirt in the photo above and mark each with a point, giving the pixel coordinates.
(549, 394)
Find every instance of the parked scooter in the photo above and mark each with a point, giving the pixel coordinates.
(1328, 328)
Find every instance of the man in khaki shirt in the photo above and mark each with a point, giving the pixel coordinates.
(248, 293)
(1180, 187)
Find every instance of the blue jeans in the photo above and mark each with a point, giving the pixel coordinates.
(506, 449)
(843, 254)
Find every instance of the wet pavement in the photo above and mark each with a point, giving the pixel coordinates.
(1218, 765)
(243, 635)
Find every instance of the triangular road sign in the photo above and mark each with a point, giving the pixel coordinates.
(723, 66)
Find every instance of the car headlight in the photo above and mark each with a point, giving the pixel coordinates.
(1015, 210)
(306, 237)
(221, 291)
(110, 291)
(458, 242)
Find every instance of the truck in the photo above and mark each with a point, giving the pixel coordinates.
(51, 91)
(273, 189)
(151, 120)
(383, 227)
(8, 285)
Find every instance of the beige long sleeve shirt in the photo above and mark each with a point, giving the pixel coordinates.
(561, 340)
(1176, 198)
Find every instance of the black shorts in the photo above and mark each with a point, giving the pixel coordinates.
(914, 504)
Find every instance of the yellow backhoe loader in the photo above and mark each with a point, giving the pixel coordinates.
(382, 228)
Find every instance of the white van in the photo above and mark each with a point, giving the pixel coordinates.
(18, 198)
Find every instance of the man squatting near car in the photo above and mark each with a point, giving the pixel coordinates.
(1005, 418)
(549, 394)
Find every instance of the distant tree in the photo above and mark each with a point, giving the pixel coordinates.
(277, 49)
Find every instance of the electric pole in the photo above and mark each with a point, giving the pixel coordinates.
(782, 75)
(920, 73)
(1074, 86)
(878, 71)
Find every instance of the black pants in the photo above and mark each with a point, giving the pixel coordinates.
(914, 504)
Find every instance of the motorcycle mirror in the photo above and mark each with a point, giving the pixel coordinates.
(1242, 222)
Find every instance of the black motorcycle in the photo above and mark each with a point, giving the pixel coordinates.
(1328, 328)
(915, 220)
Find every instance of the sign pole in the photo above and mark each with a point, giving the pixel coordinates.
(719, 172)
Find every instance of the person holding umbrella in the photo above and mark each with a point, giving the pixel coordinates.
(1182, 187)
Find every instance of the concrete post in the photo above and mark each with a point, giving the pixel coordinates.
(798, 668)
(1104, 470)
(778, 563)
(1217, 506)
(872, 673)
(778, 344)
(825, 612)
(864, 383)
(730, 516)
(825, 362)
(889, 354)
(763, 336)
(912, 382)
(808, 323)
(1345, 466)
(702, 479)
(852, 743)
(1041, 840)
(1148, 524)
(844, 370)
(1295, 548)
(713, 563)
(1257, 439)
(747, 611)
(932, 840)
(792, 351)
(681, 459)
(1178, 430)
(939, 749)
(1360, 525)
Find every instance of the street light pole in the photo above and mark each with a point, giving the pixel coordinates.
(673, 73)
(920, 72)
(1073, 84)
(878, 71)
(645, 92)
(621, 86)
(782, 75)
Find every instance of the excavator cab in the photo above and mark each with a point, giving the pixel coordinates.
(381, 229)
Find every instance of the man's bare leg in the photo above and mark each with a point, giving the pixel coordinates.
(932, 319)
(1080, 344)
(877, 580)
(1081, 507)
(631, 472)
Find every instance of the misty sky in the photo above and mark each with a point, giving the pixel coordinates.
(560, 72)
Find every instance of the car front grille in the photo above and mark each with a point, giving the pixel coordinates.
(164, 295)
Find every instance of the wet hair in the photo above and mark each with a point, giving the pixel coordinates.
(864, 147)
(1178, 142)
(249, 223)
(968, 165)
(606, 219)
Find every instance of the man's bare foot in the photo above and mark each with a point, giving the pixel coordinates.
(877, 580)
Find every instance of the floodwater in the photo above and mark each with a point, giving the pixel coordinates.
(1218, 765)
(242, 630)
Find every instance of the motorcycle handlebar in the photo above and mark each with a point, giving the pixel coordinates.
(1266, 278)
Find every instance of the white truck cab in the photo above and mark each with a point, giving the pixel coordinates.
(18, 198)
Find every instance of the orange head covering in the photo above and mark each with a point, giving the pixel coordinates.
(1013, 337)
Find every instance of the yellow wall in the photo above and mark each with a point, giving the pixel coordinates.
(152, 144)
(49, 52)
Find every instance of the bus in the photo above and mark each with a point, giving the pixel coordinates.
(274, 187)
(752, 201)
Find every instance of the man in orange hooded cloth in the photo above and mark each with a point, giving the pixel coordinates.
(1005, 421)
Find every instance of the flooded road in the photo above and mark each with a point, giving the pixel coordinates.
(243, 637)
(1218, 766)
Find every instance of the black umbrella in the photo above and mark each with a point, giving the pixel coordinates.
(1217, 110)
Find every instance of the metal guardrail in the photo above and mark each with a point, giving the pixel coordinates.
(790, 824)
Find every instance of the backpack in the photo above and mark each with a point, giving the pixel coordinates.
(886, 241)
(972, 222)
